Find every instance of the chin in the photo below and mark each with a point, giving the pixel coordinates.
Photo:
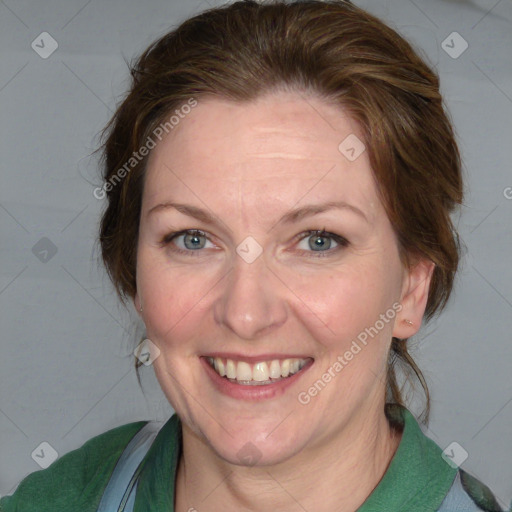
(256, 445)
(248, 454)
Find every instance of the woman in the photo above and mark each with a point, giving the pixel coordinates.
(279, 180)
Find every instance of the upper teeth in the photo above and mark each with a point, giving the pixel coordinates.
(259, 372)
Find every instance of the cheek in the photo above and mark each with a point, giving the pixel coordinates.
(338, 305)
(176, 298)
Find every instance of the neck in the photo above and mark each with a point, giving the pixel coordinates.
(336, 475)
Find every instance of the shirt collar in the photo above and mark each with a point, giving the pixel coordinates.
(155, 489)
(417, 478)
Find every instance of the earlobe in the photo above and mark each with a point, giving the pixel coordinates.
(414, 298)
(137, 302)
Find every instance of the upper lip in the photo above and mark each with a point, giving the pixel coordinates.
(255, 359)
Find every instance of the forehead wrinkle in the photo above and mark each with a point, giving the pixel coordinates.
(284, 156)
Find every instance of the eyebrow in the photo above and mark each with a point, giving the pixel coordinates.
(293, 215)
(313, 209)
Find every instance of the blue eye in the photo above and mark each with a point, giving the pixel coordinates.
(193, 240)
(320, 242)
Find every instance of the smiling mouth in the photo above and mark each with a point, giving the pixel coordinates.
(259, 374)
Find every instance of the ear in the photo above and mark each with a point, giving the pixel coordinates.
(137, 304)
(415, 287)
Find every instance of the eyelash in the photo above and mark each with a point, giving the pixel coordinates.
(341, 241)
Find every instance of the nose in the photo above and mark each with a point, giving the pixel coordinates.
(251, 303)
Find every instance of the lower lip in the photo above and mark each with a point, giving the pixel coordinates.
(262, 392)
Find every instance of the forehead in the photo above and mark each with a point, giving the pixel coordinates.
(286, 143)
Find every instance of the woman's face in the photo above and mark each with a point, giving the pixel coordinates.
(255, 289)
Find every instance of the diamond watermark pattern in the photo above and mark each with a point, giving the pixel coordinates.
(249, 249)
(146, 352)
(249, 454)
(454, 45)
(44, 45)
(352, 147)
(454, 454)
(44, 250)
(45, 454)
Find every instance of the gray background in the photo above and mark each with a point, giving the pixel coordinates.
(67, 370)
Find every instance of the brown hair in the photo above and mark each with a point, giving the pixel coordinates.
(338, 52)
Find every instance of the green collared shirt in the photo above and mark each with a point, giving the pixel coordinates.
(417, 479)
